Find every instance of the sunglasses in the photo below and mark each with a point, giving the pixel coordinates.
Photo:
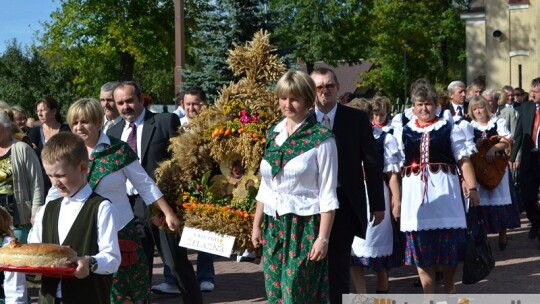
(329, 86)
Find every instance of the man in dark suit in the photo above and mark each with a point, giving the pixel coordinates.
(527, 140)
(356, 154)
(149, 136)
(457, 106)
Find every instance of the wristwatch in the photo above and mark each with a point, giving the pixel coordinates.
(93, 264)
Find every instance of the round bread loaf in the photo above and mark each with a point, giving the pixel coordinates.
(36, 255)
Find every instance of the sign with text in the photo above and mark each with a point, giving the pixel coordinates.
(207, 241)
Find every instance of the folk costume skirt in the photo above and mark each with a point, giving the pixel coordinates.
(289, 276)
(426, 248)
(131, 282)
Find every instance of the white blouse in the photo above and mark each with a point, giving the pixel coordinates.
(306, 185)
(113, 187)
(502, 126)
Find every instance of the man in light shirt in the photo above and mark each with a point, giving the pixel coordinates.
(192, 103)
(112, 117)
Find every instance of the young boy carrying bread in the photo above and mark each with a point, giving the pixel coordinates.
(80, 219)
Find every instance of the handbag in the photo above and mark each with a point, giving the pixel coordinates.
(128, 251)
(479, 259)
(490, 174)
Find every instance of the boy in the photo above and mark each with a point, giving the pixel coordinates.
(82, 220)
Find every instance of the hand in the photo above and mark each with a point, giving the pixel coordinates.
(256, 237)
(173, 222)
(376, 217)
(83, 266)
(396, 210)
(465, 190)
(490, 155)
(318, 251)
(515, 165)
(474, 198)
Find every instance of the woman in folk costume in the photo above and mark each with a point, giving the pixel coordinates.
(297, 198)
(379, 251)
(432, 209)
(496, 208)
(112, 162)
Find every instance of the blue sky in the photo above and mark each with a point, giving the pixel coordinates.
(20, 19)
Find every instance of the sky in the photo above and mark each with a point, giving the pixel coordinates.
(20, 19)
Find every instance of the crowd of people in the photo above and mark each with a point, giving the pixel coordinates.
(345, 188)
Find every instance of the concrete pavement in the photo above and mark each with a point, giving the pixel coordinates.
(517, 271)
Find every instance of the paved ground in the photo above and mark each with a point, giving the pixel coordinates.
(517, 271)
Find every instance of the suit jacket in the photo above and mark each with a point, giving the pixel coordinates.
(510, 115)
(34, 135)
(523, 137)
(157, 131)
(465, 105)
(356, 146)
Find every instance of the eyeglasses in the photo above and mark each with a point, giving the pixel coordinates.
(328, 86)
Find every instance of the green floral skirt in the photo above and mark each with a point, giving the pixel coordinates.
(289, 276)
(131, 282)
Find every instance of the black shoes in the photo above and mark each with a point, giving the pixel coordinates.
(502, 246)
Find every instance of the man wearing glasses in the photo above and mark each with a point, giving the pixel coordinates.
(356, 154)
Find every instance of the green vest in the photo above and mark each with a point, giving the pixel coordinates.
(83, 238)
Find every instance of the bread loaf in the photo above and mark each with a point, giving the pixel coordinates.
(35, 255)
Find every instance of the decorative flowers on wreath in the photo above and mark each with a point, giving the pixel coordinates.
(240, 120)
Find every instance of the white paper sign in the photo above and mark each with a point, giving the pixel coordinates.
(207, 241)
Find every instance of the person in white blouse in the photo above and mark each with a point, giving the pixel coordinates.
(432, 210)
(496, 209)
(112, 162)
(297, 198)
(80, 219)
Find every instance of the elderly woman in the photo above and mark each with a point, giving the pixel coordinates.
(51, 123)
(112, 162)
(496, 208)
(21, 181)
(297, 198)
(432, 208)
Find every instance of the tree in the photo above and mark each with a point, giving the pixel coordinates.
(227, 22)
(421, 39)
(328, 31)
(25, 77)
(106, 40)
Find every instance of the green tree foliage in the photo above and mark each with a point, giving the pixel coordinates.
(225, 23)
(25, 77)
(329, 31)
(106, 40)
(429, 34)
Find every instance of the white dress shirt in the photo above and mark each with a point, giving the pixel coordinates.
(14, 283)
(108, 257)
(112, 187)
(107, 124)
(306, 185)
(331, 115)
(139, 123)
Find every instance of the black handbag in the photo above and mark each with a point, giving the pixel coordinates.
(479, 259)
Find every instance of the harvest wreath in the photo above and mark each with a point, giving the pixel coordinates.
(213, 173)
